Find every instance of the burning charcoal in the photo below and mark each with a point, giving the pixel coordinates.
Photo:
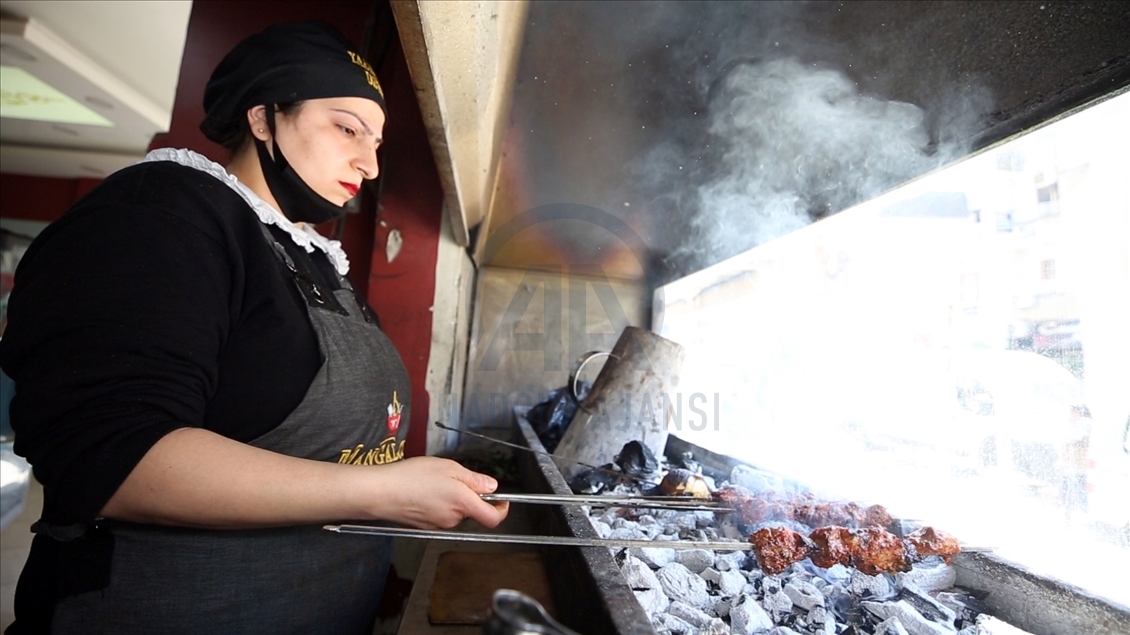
(804, 595)
(820, 621)
(654, 557)
(965, 606)
(704, 519)
(652, 600)
(776, 604)
(647, 520)
(638, 575)
(870, 586)
(714, 627)
(731, 582)
(731, 560)
(782, 630)
(890, 626)
(627, 533)
(911, 620)
(697, 560)
(722, 606)
(624, 522)
(674, 625)
(929, 577)
(930, 608)
(688, 614)
(845, 606)
(680, 584)
(602, 529)
(636, 460)
(686, 522)
(747, 617)
(611, 515)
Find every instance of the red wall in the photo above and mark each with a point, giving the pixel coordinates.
(400, 291)
(40, 198)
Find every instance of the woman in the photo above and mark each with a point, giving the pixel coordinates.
(200, 388)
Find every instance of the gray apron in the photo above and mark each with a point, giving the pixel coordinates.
(288, 580)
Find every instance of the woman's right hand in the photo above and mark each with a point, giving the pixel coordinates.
(428, 492)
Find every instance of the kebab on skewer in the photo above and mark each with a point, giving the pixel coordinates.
(751, 509)
(872, 550)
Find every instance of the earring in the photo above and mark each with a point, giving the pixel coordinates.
(260, 131)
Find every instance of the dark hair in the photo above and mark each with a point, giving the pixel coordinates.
(238, 137)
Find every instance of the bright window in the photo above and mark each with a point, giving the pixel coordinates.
(967, 370)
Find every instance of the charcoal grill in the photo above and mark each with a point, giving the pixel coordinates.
(594, 597)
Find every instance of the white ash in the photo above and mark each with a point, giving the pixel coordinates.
(911, 620)
(931, 577)
(728, 582)
(930, 608)
(890, 626)
(656, 558)
(777, 604)
(747, 616)
(689, 614)
(670, 624)
(804, 595)
(697, 560)
(730, 560)
(679, 583)
(869, 586)
(715, 626)
(638, 575)
(653, 601)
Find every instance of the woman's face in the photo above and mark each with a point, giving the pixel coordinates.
(331, 143)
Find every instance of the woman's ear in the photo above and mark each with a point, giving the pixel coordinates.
(257, 121)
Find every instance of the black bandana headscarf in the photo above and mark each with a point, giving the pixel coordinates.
(284, 64)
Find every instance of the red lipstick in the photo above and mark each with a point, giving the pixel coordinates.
(349, 187)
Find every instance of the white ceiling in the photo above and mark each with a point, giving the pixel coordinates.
(127, 53)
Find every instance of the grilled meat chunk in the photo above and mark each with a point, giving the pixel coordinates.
(871, 550)
(834, 545)
(928, 541)
(878, 551)
(777, 547)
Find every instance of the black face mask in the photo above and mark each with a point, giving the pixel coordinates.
(297, 201)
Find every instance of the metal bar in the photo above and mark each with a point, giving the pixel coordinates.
(646, 502)
(521, 539)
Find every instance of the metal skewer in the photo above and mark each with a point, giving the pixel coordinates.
(566, 541)
(596, 500)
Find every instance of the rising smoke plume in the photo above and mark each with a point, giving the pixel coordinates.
(792, 143)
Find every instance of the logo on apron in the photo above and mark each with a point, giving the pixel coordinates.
(394, 409)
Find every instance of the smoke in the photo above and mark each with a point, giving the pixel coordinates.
(787, 143)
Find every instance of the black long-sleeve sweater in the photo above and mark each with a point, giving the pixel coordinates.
(155, 303)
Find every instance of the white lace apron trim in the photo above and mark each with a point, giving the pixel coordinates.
(304, 236)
